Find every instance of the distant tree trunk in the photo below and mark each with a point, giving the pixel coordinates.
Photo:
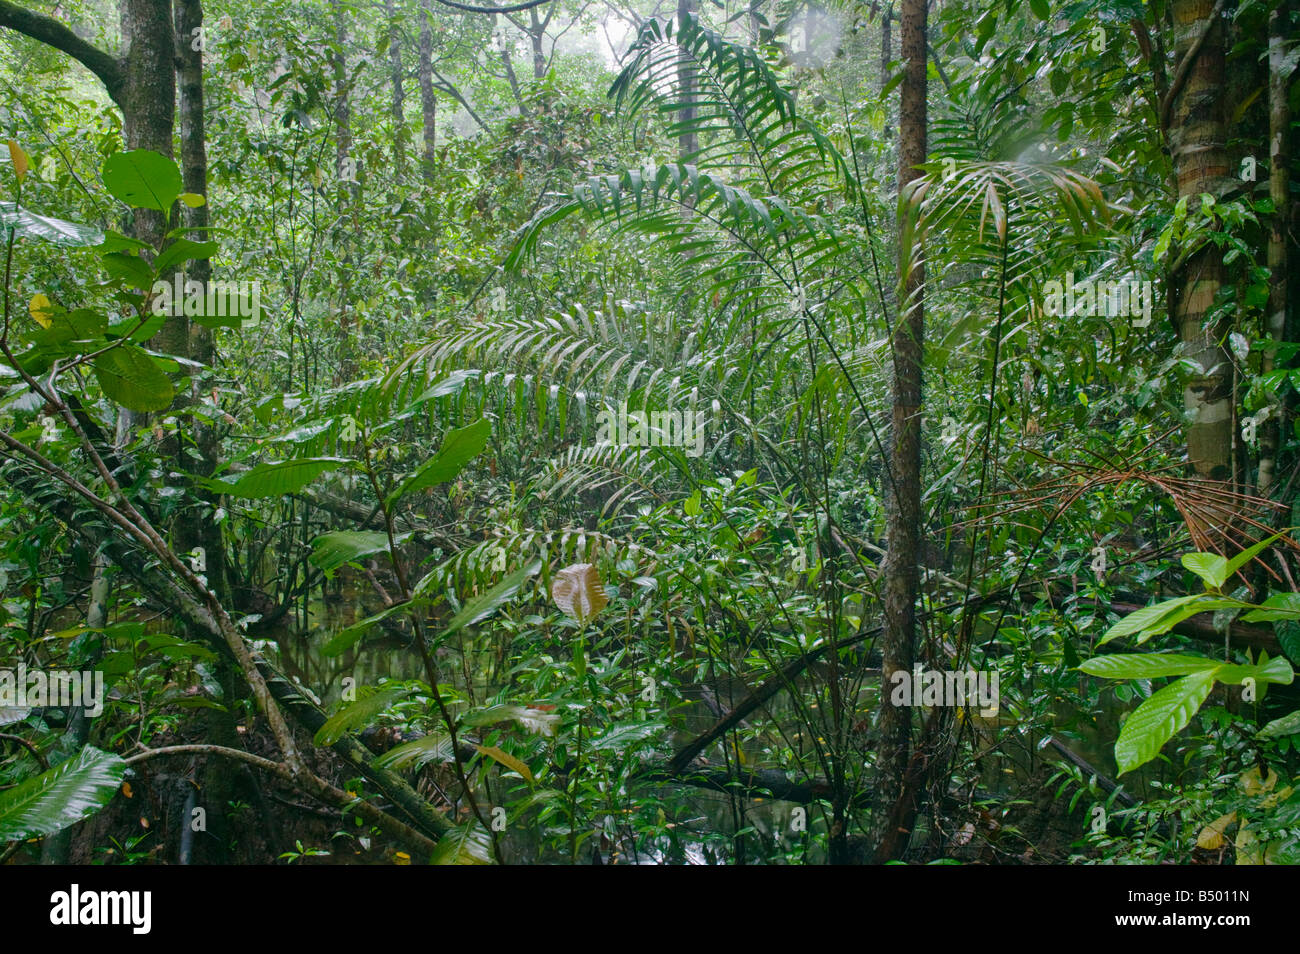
(508, 63)
(397, 74)
(895, 809)
(1197, 138)
(688, 143)
(56, 848)
(886, 56)
(428, 101)
(198, 529)
(537, 36)
(347, 179)
(1279, 128)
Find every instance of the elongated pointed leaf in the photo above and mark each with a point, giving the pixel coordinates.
(360, 713)
(62, 796)
(1147, 665)
(1277, 606)
(537, 721)
(1156, 721)
(458, 448)
(418, 753)
(1163, 616)
(506, 759)
(491, 601)
(1287, 725)
(467, 844)
(330, 551)
(55, 231)
(280, 478)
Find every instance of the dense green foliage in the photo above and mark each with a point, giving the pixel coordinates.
(536, 470)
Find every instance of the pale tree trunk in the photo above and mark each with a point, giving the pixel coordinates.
(688, 142)
(1197, 139)
(56, 848)
(347, 170)
(397, 75)
(894, 809)
(536, 36)
(1279, 127)
(507, 62)
(886, 56)
(428, 101)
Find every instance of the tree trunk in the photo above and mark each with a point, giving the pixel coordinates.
(536, 35)
(1279, 127)
(56, 848)
(1197, 139)
(895, 807)
(428, 101)
(148, 121)
(688, 142)
(347, 188)
(396, 74)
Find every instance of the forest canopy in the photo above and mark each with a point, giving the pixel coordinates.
(639, 432)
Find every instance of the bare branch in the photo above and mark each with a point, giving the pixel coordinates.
(50, 31)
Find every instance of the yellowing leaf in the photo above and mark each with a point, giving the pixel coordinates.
(401, 858)
(41, 310)
(192, 199)
(578, 592)
(1248, 848)
(1211, 835)
(19, 159)
(506, 759)
(1252, 784)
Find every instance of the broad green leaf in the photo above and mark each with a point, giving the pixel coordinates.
(1147, 616)
(537, 721)
(64, 795)
(132, 379)
(1277, 606)
(1041, 9)
(129, 268)
(1147, 665)
(467, 844)
(1245, 556)
(621, 737)
(506, 759)
(143, 179)
(183, 250)
(491, 601)
(55, 231)
(344, 639)
(1171, 620)
(458, 447)
(1267, 670)
(1164, 616)
(356, 715)
(418, 753)
(280, 478)
(1156, 721)
(1210, 567)
(331, 550)
(1287, 725)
